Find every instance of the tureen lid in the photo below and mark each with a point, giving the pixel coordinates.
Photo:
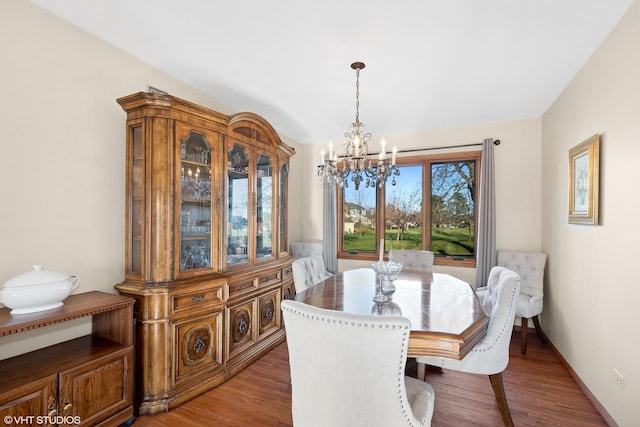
(38, 276)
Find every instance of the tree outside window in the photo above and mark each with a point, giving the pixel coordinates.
(404, 217)
(453, 208)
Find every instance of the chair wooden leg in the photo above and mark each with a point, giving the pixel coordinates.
(523, 335)
(422, 371)
(541, 334)
(501, 398)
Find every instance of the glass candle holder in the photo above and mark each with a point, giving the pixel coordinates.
(386, 273)
(379, 296)
(391, 270)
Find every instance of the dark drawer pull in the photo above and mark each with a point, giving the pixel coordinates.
(197, 298)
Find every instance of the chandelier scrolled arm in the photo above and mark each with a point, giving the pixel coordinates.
(355, 164)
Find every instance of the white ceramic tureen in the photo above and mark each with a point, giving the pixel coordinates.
(37, 290)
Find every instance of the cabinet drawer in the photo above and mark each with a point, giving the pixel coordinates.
(287, 273)
(241, 287)
(270, 278)
(248, 285)
(205, 296)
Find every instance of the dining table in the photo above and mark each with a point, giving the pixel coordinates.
(446, 316)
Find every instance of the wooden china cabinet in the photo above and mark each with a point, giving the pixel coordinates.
(207, 257)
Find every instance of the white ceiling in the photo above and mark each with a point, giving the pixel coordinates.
(430, 64)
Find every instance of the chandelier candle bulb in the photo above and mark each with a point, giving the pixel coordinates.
(393, 156)
(330, 150)
(322, 157)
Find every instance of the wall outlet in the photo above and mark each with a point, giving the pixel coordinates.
(619, 378)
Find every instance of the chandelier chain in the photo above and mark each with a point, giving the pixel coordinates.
(358, 96)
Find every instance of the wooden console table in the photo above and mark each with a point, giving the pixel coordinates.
(84, 381)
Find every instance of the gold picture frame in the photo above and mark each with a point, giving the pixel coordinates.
(584, 181)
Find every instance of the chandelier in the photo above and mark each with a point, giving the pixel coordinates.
(355, 164)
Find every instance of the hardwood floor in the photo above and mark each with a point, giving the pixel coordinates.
(539, 389)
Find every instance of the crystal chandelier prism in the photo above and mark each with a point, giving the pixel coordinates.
(356, 164)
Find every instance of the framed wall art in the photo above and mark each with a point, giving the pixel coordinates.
(584, 181)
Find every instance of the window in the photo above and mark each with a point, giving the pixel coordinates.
(432, 207)
(359, 220)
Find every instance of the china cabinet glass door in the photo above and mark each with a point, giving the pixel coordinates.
(135, 249)
(238, 213)
(195, 211)
(264, 207)
(283, 208)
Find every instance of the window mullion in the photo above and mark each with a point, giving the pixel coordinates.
(426, 205)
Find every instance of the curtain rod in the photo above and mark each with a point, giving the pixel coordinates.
(496, 142)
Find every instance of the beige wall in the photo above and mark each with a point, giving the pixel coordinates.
(62, 164)
(592, 285)
(62, 184)
(517, 176)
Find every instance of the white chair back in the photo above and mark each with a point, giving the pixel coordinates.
(500, 302)
(530, 267)
(414, 259)
(491, 354)
(348, 370)
(308, 271)
(305, 249)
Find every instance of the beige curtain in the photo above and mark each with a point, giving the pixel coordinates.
(486, 249)
(329, 227)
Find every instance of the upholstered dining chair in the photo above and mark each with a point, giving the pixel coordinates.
(348, 370)
(530, 267)
(414, 259)
(308, 271)
(491, 355)
(305, 249)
